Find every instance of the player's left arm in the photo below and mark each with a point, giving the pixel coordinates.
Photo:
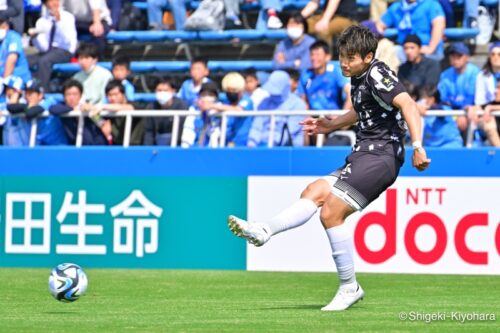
(408, 107)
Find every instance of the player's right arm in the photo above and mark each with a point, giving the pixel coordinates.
(327, 125)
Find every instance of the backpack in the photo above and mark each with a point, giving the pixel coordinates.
(131, 18)
(209, 16)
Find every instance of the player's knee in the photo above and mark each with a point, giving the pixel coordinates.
(315, 192)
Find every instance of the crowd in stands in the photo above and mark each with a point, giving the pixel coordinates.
(438, 74)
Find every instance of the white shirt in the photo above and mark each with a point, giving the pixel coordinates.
(82, 9)
(485, 88)
(65, 36)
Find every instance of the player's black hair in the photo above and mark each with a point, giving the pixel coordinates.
(114, 84)
(172, 82)
(72, 83)
(199, 60)
(297, 17)
(293, 73)
(121, 61)
(87, 50)
(357, 40)
(319, 44)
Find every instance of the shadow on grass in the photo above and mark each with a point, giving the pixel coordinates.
(295, 307)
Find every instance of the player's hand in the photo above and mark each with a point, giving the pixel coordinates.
(420, 160)
(317, 125)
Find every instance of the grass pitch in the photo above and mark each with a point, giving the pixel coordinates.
(231, 301)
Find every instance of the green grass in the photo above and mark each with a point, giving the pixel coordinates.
(229, 301)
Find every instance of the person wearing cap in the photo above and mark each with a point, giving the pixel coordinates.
(15, 129)
(287, 130)
(457, 84)
(55, 37)
(203, 130)
(12, 57)
(426, 19)
(233, 84)
(50, 130)
(487, 96)
(293, 51)
(418, 69)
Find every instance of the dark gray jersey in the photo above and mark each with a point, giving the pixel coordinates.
(372, 94)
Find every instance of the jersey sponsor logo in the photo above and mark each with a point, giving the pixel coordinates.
(383, 81)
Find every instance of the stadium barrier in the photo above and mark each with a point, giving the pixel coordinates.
(177, 114)
(154, 207)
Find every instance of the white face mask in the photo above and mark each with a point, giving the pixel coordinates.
(3, 33)
(163, 97)
(295, 32)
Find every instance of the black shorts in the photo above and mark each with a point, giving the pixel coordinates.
(370, 169)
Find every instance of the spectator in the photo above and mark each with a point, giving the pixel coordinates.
(121, 71)
(12, 58)
(338, 15)
(115, 7)
(418, 69)
(14, 11)
(293, 51)
(93, 77)
(233, 84)
(489, 124)
(457, 84)
(288, 131)
(439, 131)
(252, 87)
(190, 88)
(73, 100)
(15, 129)
(294, 80)
(232, 8)
(386, 50)
(92, 16)
(378, 8)
(114, 128)
(268, 15)
(55, 38)
(158, 130)
(155, 13)
(203, 130)
(323, 85)
(424, 18)
(49, 130)
(488, 78)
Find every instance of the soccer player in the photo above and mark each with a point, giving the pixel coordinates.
(379, 105)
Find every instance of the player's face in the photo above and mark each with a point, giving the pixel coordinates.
(198, 71)
(319, 58)
(495, 57)
(120, 72)
(412, 51)
(458, 61)
(354, 65)
(115, 96)
(72, 96)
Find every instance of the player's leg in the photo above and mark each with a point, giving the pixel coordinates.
(295, 215)
(333, 215)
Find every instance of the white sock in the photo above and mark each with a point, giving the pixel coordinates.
(342, 252)
(292, 217)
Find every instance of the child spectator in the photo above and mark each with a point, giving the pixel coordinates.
(191, 87)
(93, 77)
(158, 130)
(252, 87)
(16, 129)
(293, 51)
(294, 80)
(121, 71)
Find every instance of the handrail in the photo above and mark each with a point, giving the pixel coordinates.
(176, 114)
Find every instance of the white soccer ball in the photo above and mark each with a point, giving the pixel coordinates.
(67, 282)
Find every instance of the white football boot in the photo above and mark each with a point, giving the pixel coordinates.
(346, 296)
(255, 233)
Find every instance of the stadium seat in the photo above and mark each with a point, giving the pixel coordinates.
(460, 33)
(151, 36)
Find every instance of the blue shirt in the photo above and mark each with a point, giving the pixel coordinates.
(441, 131)
(50, 130)
(458, 90)
(324, 91)
(421, 15)
(129, 90)
(12, 44)
(239, 127)
(296, 56)
(189, 93)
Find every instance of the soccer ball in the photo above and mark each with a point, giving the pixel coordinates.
(67, 282)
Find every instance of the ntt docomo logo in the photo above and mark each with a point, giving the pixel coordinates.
(388, 221)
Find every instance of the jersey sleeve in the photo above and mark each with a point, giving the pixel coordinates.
(436, 10)
(15, 46)
(384, 83)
